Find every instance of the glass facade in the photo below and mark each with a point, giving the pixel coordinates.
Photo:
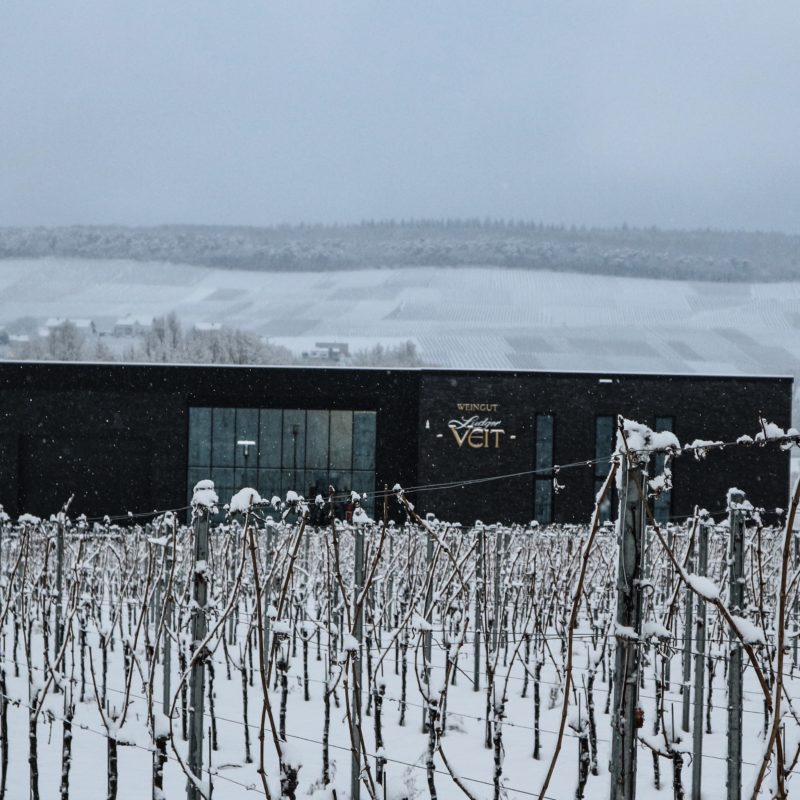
(305, 451)
(604, 446)
(543, 483)
(662, 505)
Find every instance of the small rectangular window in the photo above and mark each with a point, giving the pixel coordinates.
(662, 505)
(200, 437)
(543, 502)
(543, 476)
(603, 445)
(604, 440)
(364, 440)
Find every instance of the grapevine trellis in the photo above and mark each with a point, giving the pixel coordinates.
(363, 658)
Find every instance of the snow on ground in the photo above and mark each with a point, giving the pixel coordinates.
(405, 747)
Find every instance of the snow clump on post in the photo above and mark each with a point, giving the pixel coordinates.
(243, 499)
(203, 494)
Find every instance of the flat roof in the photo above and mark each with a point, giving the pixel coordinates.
(420, 369)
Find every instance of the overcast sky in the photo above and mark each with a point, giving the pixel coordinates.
(677, 114)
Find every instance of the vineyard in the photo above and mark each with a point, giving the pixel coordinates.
(250, 654)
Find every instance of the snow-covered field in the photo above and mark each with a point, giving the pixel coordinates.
(466, 318)
(114, 591)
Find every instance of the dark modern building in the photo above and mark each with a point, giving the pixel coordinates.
(135, 438)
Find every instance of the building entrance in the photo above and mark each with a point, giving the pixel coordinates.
(276, 450)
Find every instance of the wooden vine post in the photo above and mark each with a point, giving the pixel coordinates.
(358, 624)
(626, 713)
(699, 665)
(736, 605)
(197, 680)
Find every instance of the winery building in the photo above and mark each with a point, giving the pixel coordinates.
(495, 446)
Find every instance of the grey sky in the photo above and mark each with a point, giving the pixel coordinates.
(679, 114)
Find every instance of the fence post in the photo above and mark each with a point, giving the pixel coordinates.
(687, 644)
(427, 637)
(736, 604)
(796, 603)
(476, 639)
(166, 699)
(197, 680)
(496, 596)
(699, 666)
(62, 521)
(626, 716)
(267, 586)
(358, 619)
(59, 585)
(670, 577)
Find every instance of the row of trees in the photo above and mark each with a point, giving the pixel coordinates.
(641, 252)
(168, 341)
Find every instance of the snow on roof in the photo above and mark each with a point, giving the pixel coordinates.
(54, 322)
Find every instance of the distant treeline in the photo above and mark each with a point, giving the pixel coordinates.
(637, 252)
(167, 341)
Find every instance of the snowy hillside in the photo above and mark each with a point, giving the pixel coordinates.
(463, 318)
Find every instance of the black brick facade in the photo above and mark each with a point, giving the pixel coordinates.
(117, 435)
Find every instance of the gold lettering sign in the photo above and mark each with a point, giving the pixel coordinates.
(477, 406)
(476, 432)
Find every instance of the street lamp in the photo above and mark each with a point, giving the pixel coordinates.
(247, 444)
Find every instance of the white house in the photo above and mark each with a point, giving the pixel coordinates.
(131, 325)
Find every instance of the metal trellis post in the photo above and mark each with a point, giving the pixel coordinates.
(166, 699)
(687, 645)
(358, 619)
(699, 666)
(427, 637)
(197, 681)
(476, 640)
(59, 585)
(736, 604)
(626, 714)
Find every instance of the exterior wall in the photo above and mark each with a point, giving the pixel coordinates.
(117, 435)
(703, 408)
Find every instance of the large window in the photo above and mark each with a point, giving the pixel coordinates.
(604, 446)
(543, 483)
(662, 505)
(275, 450)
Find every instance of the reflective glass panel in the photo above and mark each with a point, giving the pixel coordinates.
(200, 437)
(543, 502)
(271, 428)
(294, 440)
(317, 439)
(544, 441)
(364, 440)
(604, 444)
(662, 505)
(341, 455)
(223, 437)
